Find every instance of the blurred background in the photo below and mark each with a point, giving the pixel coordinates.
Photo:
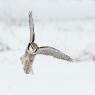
(68, 25)
(72, 21)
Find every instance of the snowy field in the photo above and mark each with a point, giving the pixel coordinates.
(71, 32)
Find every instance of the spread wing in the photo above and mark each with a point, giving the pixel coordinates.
(31, 26)
(53, 52)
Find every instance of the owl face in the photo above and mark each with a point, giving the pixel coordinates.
(33, 48)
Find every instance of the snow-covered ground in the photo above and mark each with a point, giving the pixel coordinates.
(69, 28)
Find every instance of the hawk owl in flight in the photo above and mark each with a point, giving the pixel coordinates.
(33, 49)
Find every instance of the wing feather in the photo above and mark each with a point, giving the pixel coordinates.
(31, 26)
(53, 52)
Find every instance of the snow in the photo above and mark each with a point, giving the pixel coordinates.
(68, 26)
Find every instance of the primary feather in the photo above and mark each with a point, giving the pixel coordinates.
(46, 50)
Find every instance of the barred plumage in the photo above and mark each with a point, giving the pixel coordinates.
(33, 49)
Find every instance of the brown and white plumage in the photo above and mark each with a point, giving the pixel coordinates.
(46, 50)
(33, 49)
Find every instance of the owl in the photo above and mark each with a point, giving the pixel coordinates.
(33, 49)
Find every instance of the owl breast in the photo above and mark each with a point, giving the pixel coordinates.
(27, 61)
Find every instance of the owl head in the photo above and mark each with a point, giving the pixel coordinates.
(32, 47)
